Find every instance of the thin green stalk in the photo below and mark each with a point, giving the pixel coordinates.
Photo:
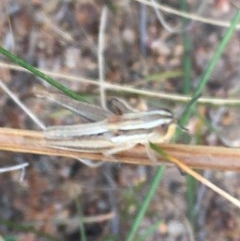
(187, 67)
(40, 74)
(81, 224)
(191, 197)
(206, 75)
(212, 64)
(144, 206)
(187, 45)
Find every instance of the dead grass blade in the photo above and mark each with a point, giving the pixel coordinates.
(201, 179)
(197, 157)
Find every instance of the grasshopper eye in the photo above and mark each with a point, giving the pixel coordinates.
(165, 127)
(119, 106)
(162, 128)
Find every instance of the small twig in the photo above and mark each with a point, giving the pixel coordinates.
(203, 180)
(62, 33)
(166, 26)
(132, 90)
(35, 119)
(143, 30)
(13, 168)
(21, 167)
(101, 45)
(191, 16)
(162, 20)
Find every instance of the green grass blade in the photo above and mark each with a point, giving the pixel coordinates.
(191, 197)
(153, 188)
(187, 45)
(40, 74)
(187, 73)
(212, 64)
(83, 236)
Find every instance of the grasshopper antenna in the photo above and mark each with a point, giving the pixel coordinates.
(190, 105)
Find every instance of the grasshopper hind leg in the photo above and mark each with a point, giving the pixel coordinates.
(152, 155)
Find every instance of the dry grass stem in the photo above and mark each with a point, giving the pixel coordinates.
(130, 89)
(203, 180)
(191, 16)
(200, 157)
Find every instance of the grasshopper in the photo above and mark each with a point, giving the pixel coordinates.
(119, 128)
